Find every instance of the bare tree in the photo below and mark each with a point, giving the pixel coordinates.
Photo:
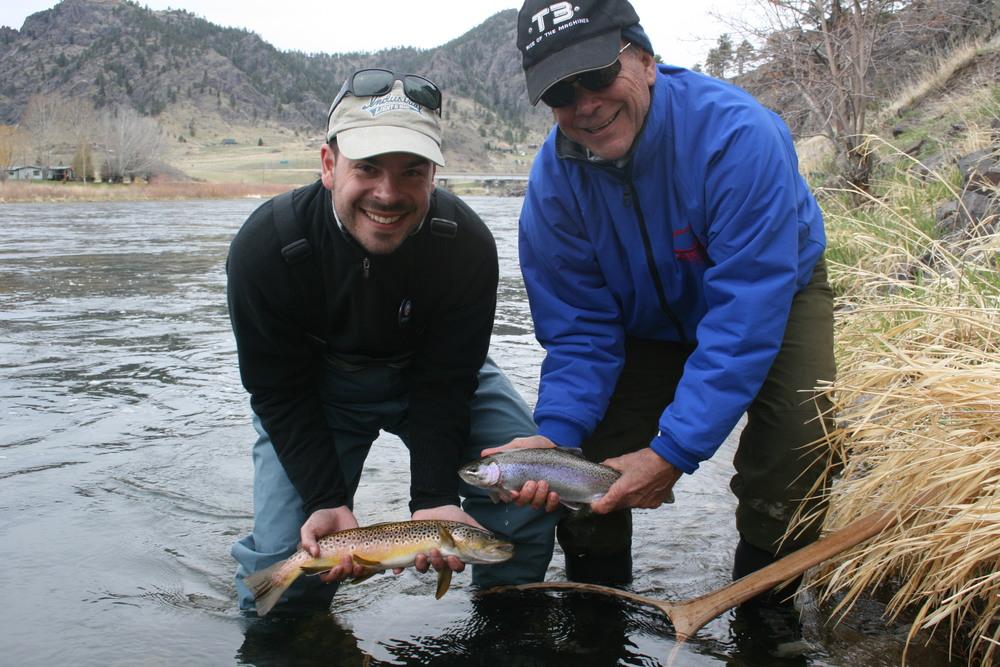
(827, 63)
(825, 50)
(133, 145)
(45, 121)
(84, 131)
(12, 143)
(83, 163)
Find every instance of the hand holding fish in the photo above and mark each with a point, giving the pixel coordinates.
(433, 558)
(538, 495)
(528, 442)
(647, 481)
(380, 547)
(324, 522)
(534, 493)
(544, 476)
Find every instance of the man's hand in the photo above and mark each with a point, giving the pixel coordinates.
(434, 558)
(647, 481)
(320, 524)
(529, 442)
(534, 493)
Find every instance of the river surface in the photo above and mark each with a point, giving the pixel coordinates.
(125, 476)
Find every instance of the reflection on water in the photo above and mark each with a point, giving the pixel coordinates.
(309, 640)
(125, 476)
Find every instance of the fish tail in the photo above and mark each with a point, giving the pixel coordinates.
(269, 585)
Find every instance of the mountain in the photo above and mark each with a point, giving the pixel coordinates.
(186, 71)
(207, 86)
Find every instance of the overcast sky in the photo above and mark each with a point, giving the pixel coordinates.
(681, 32)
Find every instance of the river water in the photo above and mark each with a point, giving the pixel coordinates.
(125, 476)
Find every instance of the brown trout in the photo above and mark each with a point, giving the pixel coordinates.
(578, 481)
(381, 547)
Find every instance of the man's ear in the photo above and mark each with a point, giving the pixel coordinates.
(648, 66)
(328, 160)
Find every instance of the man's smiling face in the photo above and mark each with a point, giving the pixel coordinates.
(380, 200)
(607, 121)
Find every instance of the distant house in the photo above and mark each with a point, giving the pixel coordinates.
(228, 142)
(26, 172)
(31, 172)
(59, 173)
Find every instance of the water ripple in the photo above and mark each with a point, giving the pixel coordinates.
(39, 468)
(126, 454)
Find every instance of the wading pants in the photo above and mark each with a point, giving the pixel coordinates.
(358, 404)
(774, 469)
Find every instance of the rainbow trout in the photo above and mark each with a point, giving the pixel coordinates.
(379, 547)
(578, 481)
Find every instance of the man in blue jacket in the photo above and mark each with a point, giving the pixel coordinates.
(673, 258)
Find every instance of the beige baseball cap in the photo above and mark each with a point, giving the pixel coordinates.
(390, 123)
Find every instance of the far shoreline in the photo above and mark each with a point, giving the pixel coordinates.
(49, 192)
(26, 192)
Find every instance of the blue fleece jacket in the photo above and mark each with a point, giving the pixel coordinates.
(704, 235)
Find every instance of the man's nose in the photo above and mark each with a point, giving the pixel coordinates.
(387, 190)
(586, 100)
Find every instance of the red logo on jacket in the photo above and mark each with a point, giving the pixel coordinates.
(687, 247)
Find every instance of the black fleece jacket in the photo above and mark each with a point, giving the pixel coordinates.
(432, 302)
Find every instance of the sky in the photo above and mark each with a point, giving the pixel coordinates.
(681, 32)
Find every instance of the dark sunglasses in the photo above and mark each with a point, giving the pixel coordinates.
(375, 82)
(563, 93)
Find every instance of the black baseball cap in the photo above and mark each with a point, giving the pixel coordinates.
(560, 39)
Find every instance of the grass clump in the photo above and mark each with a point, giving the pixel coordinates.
(917, 406)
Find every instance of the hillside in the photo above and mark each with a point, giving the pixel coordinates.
(234, 108)
(204, 83)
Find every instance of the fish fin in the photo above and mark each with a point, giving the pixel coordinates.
(313, 570)
(365, 562)
(363, 577)
(446, 539)
(580, 511)
(574, 506)
(575, 451)
(269, 585)
(503, 495)
(444, 581)
(495, 497)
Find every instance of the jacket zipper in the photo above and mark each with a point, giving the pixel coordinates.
(631, 196)
(366, 267)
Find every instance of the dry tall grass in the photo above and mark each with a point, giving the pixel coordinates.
(936, 76)
(917, 405)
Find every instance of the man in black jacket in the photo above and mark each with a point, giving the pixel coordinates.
(365, 302)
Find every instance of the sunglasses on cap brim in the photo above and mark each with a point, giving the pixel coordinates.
(563, 92)
(375, 82)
